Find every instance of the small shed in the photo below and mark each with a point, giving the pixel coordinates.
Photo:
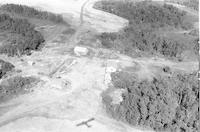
(80, 51)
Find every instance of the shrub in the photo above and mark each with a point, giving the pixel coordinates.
(5, 67)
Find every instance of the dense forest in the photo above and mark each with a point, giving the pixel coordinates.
(164, 104)
(30, 12)
(5, 67)
(137, 37)
(21, 36)
(145, 18)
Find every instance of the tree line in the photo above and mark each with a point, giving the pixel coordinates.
(32, 12)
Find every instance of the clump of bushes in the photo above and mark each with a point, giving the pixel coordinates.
(5, 67)
(32, 13)
(164, 104)
(22, 37)
(15, 86)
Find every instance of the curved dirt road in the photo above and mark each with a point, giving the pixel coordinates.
(99, 20)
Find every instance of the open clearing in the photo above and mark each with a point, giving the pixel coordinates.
(71, 86)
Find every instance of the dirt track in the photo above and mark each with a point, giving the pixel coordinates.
(101, 21)
(72, 94)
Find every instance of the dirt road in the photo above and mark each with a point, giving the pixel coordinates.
(99, 20)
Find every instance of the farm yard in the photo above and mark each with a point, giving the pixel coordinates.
(109, 72)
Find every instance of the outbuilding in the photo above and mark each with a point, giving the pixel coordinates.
(80, 51)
